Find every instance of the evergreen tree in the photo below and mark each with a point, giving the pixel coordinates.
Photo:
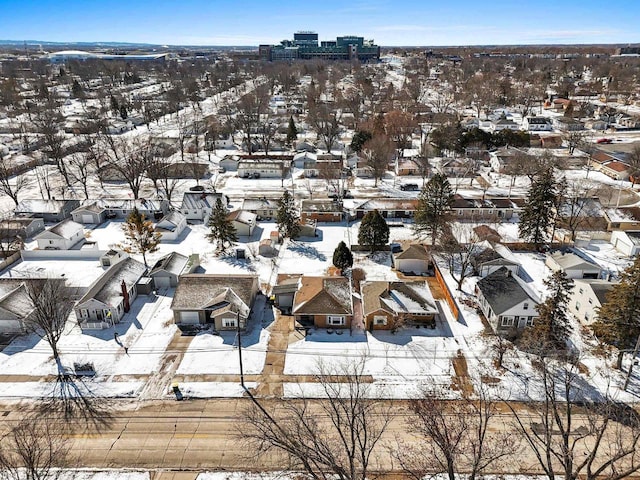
(292, 132)
(287, 216)
(551, 329)
(140, 235)
(342, 257)
(433, 210)
(359, 139)
(76, 89)
(619, 317)
(537, 217)
(123, 112)
(115, 106)
(373, 231)
(221, 229)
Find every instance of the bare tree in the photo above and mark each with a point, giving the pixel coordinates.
(457, 247)
(325, 120)
(337, 436)
(573, 436)
(249, 109)
(50, 303)
(454, 436)
(11, 185)
(129, 157)
(35, 449)
(80, 170)
(574, 139)
(378, 152)
(48, 121)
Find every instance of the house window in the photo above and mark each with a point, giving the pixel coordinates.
(530, 322)
(84, 313)
(331, 320)
(591, 301)
(229, 322)
(508, 321)
(580, 291)
(577, 306)
(525, 306)
(379, 320)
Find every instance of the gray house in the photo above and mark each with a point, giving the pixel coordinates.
(48, 210)
(197, 206)
(505, 301)
(110, 297)
(573, 265)
(224, 301)
(15, 306)
(90, 214)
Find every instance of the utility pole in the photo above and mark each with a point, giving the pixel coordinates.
(633, 359)
(240, 351)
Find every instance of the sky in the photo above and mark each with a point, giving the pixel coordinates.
(388, 22)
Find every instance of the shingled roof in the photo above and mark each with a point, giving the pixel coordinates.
(323, 296)
(502, 291)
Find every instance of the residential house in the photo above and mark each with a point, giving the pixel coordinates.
(197, 206)
(324, 302)
(224, 301)
(264, 208)
(262, 168)
(390, 305)
(91, 213)
(112, 256)
(487, 258)
(492, 209)
(388, 207)
(23, 227)
(62, 236)
(48, 210)
(415, 260)
(503, 124)
(505, 301)
(567, 124)
(171, 225)
(243, 221)
(305, 146)
(551, 141)
(110, 297)
(586, 297)
(407, 166)
(575, 266)
(503, 157)
(626, 242)
(15, 305)
(537, 124)
(301, 159)
(322, 210)
(123, 207)
(167, 270)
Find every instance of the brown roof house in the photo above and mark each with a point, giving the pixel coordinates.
(325, 302)
(389, 305)
(222, 300)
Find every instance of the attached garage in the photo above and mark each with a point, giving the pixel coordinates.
(189, 318)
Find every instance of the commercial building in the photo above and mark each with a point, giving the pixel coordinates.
(305, 46)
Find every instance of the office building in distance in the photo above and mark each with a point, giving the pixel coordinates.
(305, 46)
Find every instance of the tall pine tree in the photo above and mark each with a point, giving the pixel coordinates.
(537, 217)
(221, 229)
(140, 235)
(373, 231)
(552, 328)
(434, 207)
(619, 318)
(342, 257)
(287, 216)
(292, 132)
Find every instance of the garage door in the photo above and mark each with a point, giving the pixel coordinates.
(162, 282)
(87, 219)
(189, 318)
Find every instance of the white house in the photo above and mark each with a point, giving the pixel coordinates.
(488, 258)
(627, 242)
(537, 124)
(505, 301)
(197, 206)
(90, 214)
(503, 124)
(586, 296)
(167, 270)
(110, 297)
(261, 168)
(171, 225)
(62, 236)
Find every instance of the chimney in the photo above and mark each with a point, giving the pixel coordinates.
(125, 295)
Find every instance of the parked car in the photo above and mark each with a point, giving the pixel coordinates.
(604, 140)
(411, 187)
